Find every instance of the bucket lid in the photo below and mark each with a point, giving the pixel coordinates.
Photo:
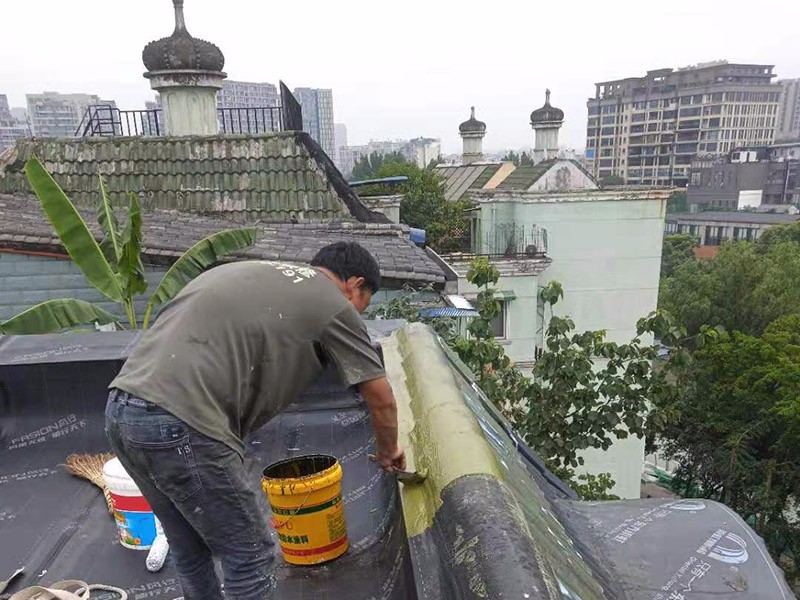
(114, 469)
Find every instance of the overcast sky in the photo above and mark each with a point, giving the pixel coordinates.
(400, 69)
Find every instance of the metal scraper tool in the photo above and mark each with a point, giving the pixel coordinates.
(412, 477)
(7, 582)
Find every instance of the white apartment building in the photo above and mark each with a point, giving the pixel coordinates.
(59, 115)
(789, 115)
(648, 129)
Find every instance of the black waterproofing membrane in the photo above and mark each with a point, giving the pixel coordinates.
(56, 526)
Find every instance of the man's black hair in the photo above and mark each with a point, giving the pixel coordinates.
(349, 259)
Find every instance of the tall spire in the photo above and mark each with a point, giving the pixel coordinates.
(180, 23)
(472, 132)
(187, 72)
(546, 121)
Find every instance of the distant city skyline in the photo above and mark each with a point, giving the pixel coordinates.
(402, 91)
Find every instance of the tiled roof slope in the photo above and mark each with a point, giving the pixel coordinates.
(459, 179)
(278, 177)
(525, 176)
(167, 234)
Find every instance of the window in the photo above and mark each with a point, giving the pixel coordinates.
(713, 235)
(499, 322)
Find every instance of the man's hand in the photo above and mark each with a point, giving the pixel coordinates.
(382, 407)
(390, 461)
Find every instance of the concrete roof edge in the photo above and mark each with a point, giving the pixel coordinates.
(599, 195)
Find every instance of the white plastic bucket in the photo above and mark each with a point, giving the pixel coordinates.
(136, 523)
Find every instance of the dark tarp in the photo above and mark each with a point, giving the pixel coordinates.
(52, 396)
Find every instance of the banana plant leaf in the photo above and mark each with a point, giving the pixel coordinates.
(71, 229)
(130, 267)
(54, 315)
(111, 244)
(195, 260)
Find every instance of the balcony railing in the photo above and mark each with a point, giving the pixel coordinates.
(108, 120)
(507, 240)
(250, 120)
(104, 120)
(514, 241)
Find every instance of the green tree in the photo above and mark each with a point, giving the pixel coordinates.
(735, 433)
(114, 266)
(676, 250)
(612, 180)
(408, 305)
(584, 390)
(520, 160)
(744, 288)
(368, 166)
(778, 234)
(424, 206)
(678, 202)
(434, 162)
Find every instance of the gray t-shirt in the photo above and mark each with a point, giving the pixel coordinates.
(241, 341)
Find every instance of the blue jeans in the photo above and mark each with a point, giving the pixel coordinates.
(199, 490)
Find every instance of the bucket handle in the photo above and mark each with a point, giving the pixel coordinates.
(274, 522)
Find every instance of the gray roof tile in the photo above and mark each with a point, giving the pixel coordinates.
(273, 177)
(167, 234)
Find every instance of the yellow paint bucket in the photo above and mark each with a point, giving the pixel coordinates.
(305, 494)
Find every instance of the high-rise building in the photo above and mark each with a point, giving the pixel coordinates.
(421, 151)
(789, 115)
(318, 116)
(646, 130)
(340, 142)
(59, 115)
(424, 150)
(13, 124)
(249, 95)
(152, 121)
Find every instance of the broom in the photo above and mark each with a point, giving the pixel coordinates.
(90, 466)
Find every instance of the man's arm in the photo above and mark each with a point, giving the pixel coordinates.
(382, 407)
(347, 344)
